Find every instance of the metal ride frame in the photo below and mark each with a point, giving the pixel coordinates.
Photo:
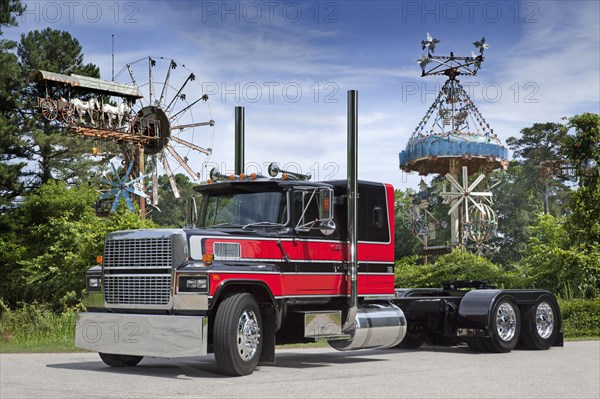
(451, 138)
(139, 133)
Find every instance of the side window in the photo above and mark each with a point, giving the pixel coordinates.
(378, 216)
(306, 207)
(312, 211)
(219, 210)
(373, 224)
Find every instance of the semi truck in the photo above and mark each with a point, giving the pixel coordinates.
(280, 259)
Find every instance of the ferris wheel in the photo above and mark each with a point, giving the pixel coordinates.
(173, 115)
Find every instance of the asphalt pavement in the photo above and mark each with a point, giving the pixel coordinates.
(429, 372)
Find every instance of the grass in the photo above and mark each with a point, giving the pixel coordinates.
(587, 338)
(39, 347)
(35, 328)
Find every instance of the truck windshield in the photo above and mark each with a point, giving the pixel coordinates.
(243, 209)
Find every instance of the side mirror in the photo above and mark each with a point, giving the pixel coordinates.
(326, 225)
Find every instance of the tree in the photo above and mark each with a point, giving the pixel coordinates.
(56, 239)
(405, 243)
(171, 210)
(582, 149)
(11, 143)
(54, 51)
(523, 192)
(551, 262)
(9, 10)
(10, 85)
(516, 207)
(538, 143)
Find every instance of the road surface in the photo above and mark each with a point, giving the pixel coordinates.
(430, 372)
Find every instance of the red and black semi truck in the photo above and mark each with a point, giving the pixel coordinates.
(280, 259)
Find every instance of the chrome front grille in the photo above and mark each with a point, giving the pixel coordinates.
(136, 289)
(137, 271)
(138, 252)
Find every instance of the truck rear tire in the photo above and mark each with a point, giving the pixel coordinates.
(120, 360)
(415, 335)
(237, 338)
(476, 344)
(504, 328)
(539, 325)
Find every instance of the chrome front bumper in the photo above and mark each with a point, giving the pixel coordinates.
(142, 334)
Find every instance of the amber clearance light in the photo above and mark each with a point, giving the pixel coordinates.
(208, 259)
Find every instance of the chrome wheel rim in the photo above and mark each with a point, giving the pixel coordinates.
(248, 335)
(506, 322)
(544, 320)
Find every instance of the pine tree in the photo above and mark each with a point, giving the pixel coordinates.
(10, 85)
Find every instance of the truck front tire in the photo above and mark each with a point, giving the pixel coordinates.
(120, 360)
(237, 338)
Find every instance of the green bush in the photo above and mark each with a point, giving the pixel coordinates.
(549, 262)
(581, 317)
(457, 265)
(56, 239)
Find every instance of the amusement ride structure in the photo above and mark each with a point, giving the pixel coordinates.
(153, 119)
(453, 139)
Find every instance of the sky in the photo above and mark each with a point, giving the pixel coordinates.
(291, 63)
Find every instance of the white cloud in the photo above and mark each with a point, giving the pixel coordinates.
(555, 67)
(555, 62)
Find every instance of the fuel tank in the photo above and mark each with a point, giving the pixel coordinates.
(377, 325)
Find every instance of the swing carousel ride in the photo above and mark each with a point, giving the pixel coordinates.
(453, 139)
(155, 122)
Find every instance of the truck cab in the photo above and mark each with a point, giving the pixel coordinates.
(280, 244)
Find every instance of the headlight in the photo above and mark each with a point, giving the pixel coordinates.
(93, 283)
(193, 284)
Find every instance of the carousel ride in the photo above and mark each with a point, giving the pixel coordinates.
(454, 140)
(155, 121)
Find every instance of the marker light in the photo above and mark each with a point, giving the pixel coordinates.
(208, 259)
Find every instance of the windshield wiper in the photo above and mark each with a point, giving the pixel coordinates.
(223, 225)
(262, 224)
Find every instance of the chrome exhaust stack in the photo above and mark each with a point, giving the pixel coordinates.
(239, 141)
(352, 194)
(376, 324)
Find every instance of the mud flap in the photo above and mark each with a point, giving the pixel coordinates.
(267, 356)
